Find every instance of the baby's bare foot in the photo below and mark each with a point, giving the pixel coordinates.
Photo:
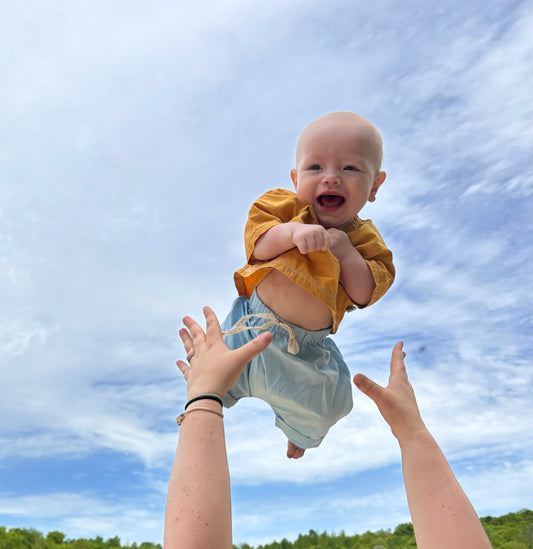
(294, 451)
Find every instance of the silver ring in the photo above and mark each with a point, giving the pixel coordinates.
(189, 357)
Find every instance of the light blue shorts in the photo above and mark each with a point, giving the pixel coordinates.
(309, 391)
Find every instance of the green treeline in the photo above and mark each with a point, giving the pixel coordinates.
(22, 538)
(512, 531)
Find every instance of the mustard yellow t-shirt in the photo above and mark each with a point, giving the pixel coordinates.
(316, 272)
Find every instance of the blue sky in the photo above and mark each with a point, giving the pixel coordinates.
(133, 138)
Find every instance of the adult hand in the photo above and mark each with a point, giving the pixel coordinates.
(213, 367)
(397, 402)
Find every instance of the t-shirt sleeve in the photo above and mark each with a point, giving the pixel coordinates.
(273, 208)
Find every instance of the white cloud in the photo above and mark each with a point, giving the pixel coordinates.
(86, 515)
(355, 513)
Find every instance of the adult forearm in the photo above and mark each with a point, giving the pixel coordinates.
(198, 510)
(442, 515)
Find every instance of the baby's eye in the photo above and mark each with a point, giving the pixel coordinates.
(314, 167)
(351, 168)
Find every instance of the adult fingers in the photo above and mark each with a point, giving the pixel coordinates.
(397, 364)
(183, 368)
(186, 339)
(196, 331)
(212, 325)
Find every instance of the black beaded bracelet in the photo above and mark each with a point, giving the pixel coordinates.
(207, 396)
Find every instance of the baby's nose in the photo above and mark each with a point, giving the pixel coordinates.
(331, 177)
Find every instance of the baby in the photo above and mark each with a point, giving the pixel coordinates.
(310, 259)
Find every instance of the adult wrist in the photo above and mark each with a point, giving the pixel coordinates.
(419, 435)
(204, 402)
(196, 408)
(203, 398)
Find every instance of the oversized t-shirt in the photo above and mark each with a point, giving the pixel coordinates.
(316, 272)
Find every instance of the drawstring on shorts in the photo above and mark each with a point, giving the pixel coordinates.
(240, 326)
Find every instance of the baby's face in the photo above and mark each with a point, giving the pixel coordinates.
(337, 163)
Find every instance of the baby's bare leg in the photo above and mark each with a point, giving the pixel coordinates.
(294, 451)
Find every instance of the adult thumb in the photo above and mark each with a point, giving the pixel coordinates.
(370, 388)
(254, 347)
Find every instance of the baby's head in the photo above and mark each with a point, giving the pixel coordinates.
(338, 166)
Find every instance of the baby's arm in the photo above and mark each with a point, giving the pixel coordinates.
(356, 275)
(285, 236)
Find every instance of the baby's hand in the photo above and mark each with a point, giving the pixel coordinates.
(310, 238)
(339, 243)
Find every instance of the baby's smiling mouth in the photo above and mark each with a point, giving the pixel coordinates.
(330, 200)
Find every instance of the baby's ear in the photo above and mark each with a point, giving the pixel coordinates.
(294, 177)
(380, 178)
